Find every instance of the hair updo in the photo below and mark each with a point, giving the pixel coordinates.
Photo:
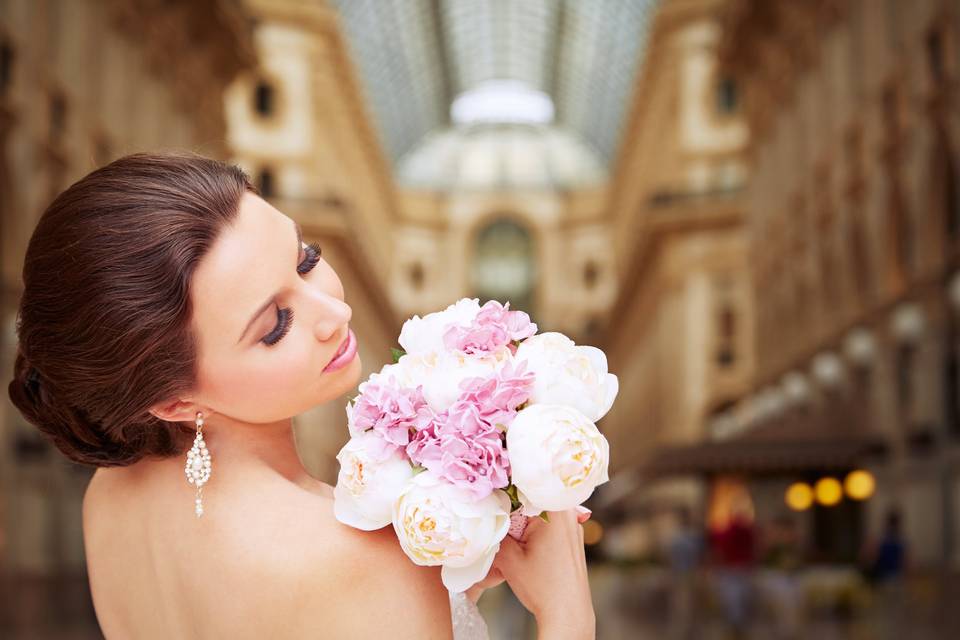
(104, 322)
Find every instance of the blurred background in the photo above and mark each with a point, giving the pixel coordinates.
(753, 206)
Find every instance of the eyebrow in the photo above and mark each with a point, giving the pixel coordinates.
(266, 305)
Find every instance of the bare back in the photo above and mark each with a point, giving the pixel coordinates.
(267, 559)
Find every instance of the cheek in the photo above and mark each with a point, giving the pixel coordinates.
(268, 386)
(288, 366)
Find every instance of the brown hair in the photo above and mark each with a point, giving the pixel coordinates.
(104, 323)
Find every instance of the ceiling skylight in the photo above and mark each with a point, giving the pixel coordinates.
(502, 101)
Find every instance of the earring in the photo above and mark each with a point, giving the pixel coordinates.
(198, 464)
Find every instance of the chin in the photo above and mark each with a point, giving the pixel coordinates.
(344, 380)
(353, 372)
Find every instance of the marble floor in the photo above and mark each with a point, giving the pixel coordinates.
(631, 604)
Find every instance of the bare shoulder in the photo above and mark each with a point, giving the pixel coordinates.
(376, 588)
(280, 549)
(102, 489)
(337, 581)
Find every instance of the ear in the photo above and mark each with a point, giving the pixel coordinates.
(177, 410)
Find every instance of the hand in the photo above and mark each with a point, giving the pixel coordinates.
(495, 577)
(547, 570)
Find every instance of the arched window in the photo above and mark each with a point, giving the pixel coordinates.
(936, 56)
(417, 275)
(590, 274)
(726, 96)
(503, 266)
(946, 191)
(264, 98)
(6, 67)
(901, 231)
(57, 117)
(726, 354)
(265, 183)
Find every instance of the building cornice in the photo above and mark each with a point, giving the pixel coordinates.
(324, 20)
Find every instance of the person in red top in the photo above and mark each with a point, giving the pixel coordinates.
(736, 542)
(734, 548)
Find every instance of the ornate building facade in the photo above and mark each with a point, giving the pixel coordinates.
(680, 332)
(853, 226)
(83, 82)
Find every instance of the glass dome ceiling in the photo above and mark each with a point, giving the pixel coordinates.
(497, 93)
(504, 157)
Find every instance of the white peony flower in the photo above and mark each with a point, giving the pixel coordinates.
(441, 373)
(568, 374)
(367, 486)
(438, 523)
(557, 457)
(420, 336)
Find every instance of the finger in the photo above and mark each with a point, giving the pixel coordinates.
(533, 526)
(509, 559)
(510, 551)
(492, 579)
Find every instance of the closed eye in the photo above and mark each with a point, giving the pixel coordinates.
(313, 257)
(285, 314)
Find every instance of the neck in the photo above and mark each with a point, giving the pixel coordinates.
(242, 445)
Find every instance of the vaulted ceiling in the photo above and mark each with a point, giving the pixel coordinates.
(417, 56)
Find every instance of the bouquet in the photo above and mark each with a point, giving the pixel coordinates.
(478, 424)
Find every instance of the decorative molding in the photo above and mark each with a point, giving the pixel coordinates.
(219, 39)
(323, 20)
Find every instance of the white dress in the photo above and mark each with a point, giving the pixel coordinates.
(468, 624)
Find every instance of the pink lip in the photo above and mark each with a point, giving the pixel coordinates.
(345, 355)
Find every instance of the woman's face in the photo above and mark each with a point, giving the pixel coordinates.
(257, 268)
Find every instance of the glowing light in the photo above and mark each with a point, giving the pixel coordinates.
(828, 491)
(592, 532)
(799, 496)
(859, 484)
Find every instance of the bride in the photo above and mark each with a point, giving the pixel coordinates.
(165, 303)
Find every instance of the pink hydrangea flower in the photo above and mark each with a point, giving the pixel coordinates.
(463, 450)
(499, 395)
(478, 463)
(392, 411)
(465, 445)
(495, 326)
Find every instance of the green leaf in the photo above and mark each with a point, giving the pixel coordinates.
(418, 469)
(543, 515)
(511, 490)
(397, 354)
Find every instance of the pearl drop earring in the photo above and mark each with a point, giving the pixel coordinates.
(198, 464)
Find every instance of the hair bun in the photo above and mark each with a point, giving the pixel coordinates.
(99, 374)
(31, 382)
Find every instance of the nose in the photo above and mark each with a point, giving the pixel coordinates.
(332, 314)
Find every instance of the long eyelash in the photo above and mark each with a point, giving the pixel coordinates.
(285, 319)
(313, 257)
(285, 315)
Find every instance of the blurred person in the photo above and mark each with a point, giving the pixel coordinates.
(142, 327)
(684, 551)
(886, 565)
(734, 556)
(782, 559)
